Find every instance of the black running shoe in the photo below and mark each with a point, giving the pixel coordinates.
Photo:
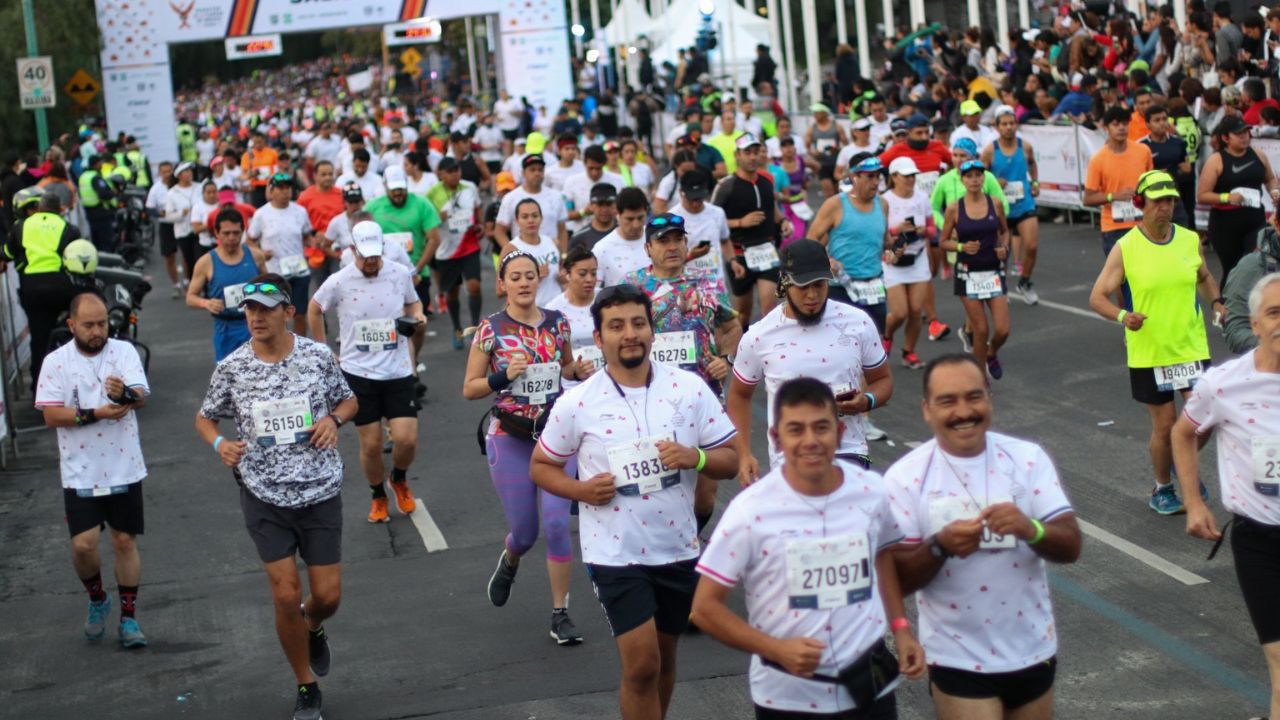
(318, 651)
(308, 705)
(500, 584)
(563, 630)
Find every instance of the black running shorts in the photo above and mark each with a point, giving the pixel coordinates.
(1012, 689)
(313, 531)
(380, 399)
(1256, 548)
(120, 511)
(633, 594)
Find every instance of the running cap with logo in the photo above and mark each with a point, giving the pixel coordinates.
(1156, 184)
(533, 159)
(970, 107)
(869, 165)
(663, 224)
(968, 165)
(266, 294)
(183, 167)
(367, 238)
(805, 262)
(862, 124)
(1003, 110)
(903, 166)
(695, 185)
(604, 193)
(351, 192)
(746, 140)
(395, 179)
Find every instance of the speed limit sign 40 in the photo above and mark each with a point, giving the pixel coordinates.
(35, 82)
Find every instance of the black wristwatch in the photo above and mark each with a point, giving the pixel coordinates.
(337, 421)
(1219, 301)
(936, 549)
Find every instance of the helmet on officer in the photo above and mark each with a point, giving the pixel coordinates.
(80, 257)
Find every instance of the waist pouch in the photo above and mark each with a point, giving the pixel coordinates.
(865, 678)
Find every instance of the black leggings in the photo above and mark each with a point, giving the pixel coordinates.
(1233, 233)
(44, 296)
(192, 251)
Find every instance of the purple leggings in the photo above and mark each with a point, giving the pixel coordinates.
(509, 467)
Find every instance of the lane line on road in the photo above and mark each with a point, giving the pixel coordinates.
(1141, 554)
(1173, 647)
(1071, 309)
(432, 538)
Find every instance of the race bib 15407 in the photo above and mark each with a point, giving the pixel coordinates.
(983, 285)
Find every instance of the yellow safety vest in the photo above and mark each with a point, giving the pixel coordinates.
(88, 195)
(41, 235)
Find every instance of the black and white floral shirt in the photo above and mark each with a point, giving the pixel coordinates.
(279, 465)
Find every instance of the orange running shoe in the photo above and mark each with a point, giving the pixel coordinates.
(378, 511)
(404, 497)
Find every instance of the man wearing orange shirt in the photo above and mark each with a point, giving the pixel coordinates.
(323, 202)
(258, 164)
(1113, 174)
(1138, 128)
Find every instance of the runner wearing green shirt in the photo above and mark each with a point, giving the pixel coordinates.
(414, 222)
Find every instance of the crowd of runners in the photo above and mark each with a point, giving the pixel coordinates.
(647, 280)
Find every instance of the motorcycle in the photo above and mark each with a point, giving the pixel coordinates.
(134, 229)
(124, 290)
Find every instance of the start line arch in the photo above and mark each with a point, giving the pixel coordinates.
(136, 34)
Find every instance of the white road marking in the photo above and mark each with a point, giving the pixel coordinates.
(1082, 312)
(432, 538)
(1141, 554)
(913, 444)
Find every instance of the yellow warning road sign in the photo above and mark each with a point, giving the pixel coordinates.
(82, 87)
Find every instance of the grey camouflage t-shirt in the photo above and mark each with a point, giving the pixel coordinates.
(279, 465)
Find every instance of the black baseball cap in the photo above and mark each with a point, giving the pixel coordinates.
(447, 163)
(663, 224)
(604, 192)
(805, 262)
(1229, 125)
(351, 192)
(456, 136)
(695, 185)
(532, 158)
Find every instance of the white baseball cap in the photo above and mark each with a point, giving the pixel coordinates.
(903, 166)
(395, 179)
(367, 238)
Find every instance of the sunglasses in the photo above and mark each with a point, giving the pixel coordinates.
(264, 288)
(282, 178)
(623, 292)
(1162, 185)
(673, 221)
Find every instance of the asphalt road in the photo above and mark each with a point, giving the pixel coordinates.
(416, 637)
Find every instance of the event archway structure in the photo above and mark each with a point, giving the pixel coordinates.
(533, 45)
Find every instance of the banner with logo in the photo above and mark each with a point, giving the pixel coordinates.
(139, 102)
(1060, 172)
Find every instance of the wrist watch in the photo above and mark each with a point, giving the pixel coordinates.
(337, 421)
(936, 549)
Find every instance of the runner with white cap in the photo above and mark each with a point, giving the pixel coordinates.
(376, 305)
(906, 278)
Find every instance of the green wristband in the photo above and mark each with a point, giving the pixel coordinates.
(1039, 526)
(702, 460)
(1120, 316)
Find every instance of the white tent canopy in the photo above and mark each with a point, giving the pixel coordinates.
(738, 31)
(630, 21)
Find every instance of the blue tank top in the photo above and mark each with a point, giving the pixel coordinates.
(1013, 168)
(985, 230)
(225, 275)
(858, 241)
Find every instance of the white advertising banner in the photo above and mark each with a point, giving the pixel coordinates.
(1060, 173)
(139, 102)
(15, 332)
(536, 67)
(292, 16)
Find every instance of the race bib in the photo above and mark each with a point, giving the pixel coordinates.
(867, 292)
(828, 573)
(539, 383)
(232, 295)
(675, 348)
(761, 257)
(802, 210)
(293, 265)
(376, 335)
(636, 468)
(944, 511)
(926, 182)
(1014, 191)
(590, 353)
(403, 239)
(1124, 211)
(282, 422)
(457, 224)
(706, 263)
(1177, 377)
(983, 285)
(1266, 465)
(1250, 197)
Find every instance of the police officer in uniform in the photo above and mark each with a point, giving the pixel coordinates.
(97, 195)
(35, 246)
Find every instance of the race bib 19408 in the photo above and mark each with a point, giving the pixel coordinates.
(232, 295)
(282, 422)
(675, 348)
(1177, 377)
(828, 573)
(944, 511)
(539, 383)
(1266, 465)
(983, 285)
(637, 469)
(761, 257)
(376, 335)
